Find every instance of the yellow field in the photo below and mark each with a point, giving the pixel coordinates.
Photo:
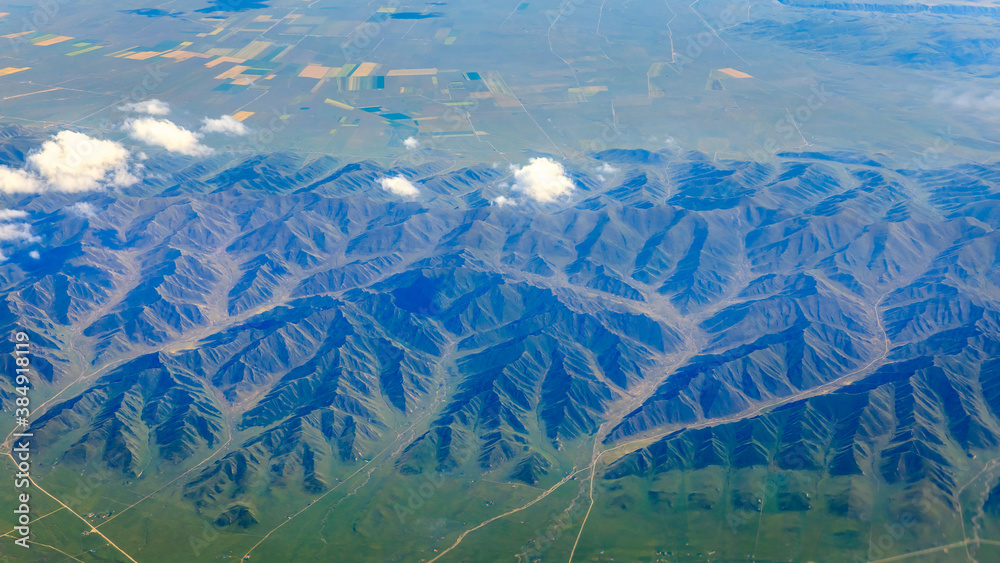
(314, 71)
(221, 60)
(734, 73)
(184, 55)
(412, 72)
(340, 105)
(143, 55)
(53, 41)
(364, 69)
(232, 73)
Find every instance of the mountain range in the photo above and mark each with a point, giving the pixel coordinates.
(744, 358)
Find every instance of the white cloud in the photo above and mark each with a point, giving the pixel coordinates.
(399, 186)
(984, 101)
(70, 162)
(18, 181)
(167, 134)
(411, 143)
(606, 168)
(82, 209)
(35, 254)
(227, 125)
(8, 214)
(74, 162)
(17, 232)
(151, 107)
(543, 180)
(504, 200)
(14, 232)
